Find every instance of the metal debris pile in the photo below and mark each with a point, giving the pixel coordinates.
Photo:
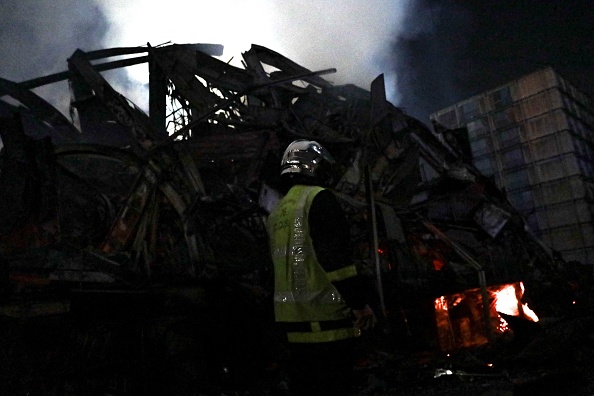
(112, 199)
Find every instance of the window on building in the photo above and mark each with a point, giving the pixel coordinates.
(560, 215)
(509, 137)
(477, 128)
(575, 166)
(545, 147)
(501, 98)
(481, 146)
(544, 125)
(550, 169)
(578, 187)
(517, 179)
(536, 105)
(469, 110)
(486, 165)
(505, 118)
(569, 237)
(556, 191)
(565, 141)
(522, 200)
(582, 209)
(512, 158)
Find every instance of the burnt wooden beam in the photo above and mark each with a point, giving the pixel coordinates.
(209, 49)
(40, 107)
(157, 95)
(57, 77)
(136, 122)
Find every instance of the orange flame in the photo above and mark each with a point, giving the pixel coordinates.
(463, 328)
(507, 302)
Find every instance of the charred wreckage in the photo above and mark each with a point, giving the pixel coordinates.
(147, 233)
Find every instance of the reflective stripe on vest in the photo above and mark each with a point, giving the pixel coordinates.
(303, 290)
(324, 336)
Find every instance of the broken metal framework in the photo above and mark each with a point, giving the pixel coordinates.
(133, 200)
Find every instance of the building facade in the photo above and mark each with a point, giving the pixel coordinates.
(535, 137)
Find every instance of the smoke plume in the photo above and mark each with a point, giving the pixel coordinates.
(352, 36)
(37, 37)
(360, 39)
(426, 56)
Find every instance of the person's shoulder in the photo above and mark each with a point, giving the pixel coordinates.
(326, 198)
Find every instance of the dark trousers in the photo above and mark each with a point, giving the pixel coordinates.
(322, 368)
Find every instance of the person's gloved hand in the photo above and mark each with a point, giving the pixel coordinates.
(364, 318)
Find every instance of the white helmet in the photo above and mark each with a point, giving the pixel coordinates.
(307, 157)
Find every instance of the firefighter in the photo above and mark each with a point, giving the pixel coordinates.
(320, 301)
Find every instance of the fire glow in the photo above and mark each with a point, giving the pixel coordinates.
(460, 317)
(508, 301)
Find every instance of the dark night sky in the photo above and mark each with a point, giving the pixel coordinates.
(445, 50)
(477, 45)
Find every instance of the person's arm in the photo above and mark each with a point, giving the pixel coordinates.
(331, 238)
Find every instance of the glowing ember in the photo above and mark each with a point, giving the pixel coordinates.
(441, 304)
(503, 326)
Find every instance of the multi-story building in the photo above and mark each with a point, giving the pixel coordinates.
(535, 137)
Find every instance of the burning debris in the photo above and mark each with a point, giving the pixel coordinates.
(508, 300)
(141, 216)
(458, 316)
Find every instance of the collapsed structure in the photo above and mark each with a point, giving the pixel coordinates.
(132, 201)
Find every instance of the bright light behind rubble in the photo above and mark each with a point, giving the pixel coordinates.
(352, 36)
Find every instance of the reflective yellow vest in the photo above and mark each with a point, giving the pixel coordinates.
(303, 292)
